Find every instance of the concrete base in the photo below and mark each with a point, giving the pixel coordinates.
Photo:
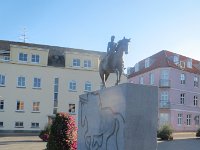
(123, 117)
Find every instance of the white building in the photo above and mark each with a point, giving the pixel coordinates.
(37, 81)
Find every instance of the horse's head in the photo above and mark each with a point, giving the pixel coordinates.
(123, 45)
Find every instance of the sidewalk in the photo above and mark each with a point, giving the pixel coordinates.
(184, 135)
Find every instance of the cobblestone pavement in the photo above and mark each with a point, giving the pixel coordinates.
(181, 142)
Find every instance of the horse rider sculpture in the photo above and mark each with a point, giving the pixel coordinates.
(111, 48)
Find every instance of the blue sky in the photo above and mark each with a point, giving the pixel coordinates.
(153, 25)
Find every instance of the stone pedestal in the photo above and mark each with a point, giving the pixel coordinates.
(122, 117)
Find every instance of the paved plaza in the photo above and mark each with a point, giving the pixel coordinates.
(181, 142)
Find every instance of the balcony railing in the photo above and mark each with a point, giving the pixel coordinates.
(164, 83)
(164, 104)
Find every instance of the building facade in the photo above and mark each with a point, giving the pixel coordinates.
(177, 78)
(37, 81)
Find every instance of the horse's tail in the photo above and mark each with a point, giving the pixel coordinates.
(119, 130)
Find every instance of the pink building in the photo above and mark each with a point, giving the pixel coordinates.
(177, 78)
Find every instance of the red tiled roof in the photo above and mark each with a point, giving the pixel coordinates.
(162, 59)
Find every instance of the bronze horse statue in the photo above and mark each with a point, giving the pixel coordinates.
(115, 62)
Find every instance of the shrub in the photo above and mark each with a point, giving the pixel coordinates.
(44, 134)
(165, 133)
(63, 133)
(198, 133)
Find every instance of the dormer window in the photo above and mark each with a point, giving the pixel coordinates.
(182, 64)
(136, 67)
(189, 63)
(147, 63)
(176, 59)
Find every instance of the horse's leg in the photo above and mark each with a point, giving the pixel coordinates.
(106, 76)
(120, 73)
(102, 78)
(117, 74)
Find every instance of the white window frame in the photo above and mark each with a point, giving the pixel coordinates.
(197, 121)
(35, 125)
(196, 81)
(2, 105)
(36, 106)
(21, 81)
(76, 62)
(35, 58)
(2, 80)
(176, 59)
(23, 57)
(164, 118)
(180, 119)
(189, 63)
(164, 98)
(6, 58)
(141, 80)
(36, 83)
(19, 124)
(72, 108)
(72, 85)
(19, 106)
(136, 67)
(195, 100)
(182, 98)
(147, 62)
(87, 63)
(151, 79)
(88, 86)
(183, 78)
(188, 122)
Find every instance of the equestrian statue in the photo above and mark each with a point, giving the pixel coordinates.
(113, 61)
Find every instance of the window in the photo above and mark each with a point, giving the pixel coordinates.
(19, 124)
(189, 119)
(1, 124)
(6, 58)
(55, 110)
(164, 118)
(87, 63)
(182, 78)
(35, 125)
(141, 80)
(182, 98)
(36, 106)
(136, 67)
(180, 119)
(20, 106)
(2, 80)
(72, 85)
(55, 105)
(1, 105)
(189, 63)
(176, 59)
(35, 58)
(23, 57)
(88, 86)
(21, 82)
(164, 101)
(196, 118)
(151, 78)
(195, 101)
(36, 83)
(76, 62)
(147, 63)
(196, 81)
(71, 108)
